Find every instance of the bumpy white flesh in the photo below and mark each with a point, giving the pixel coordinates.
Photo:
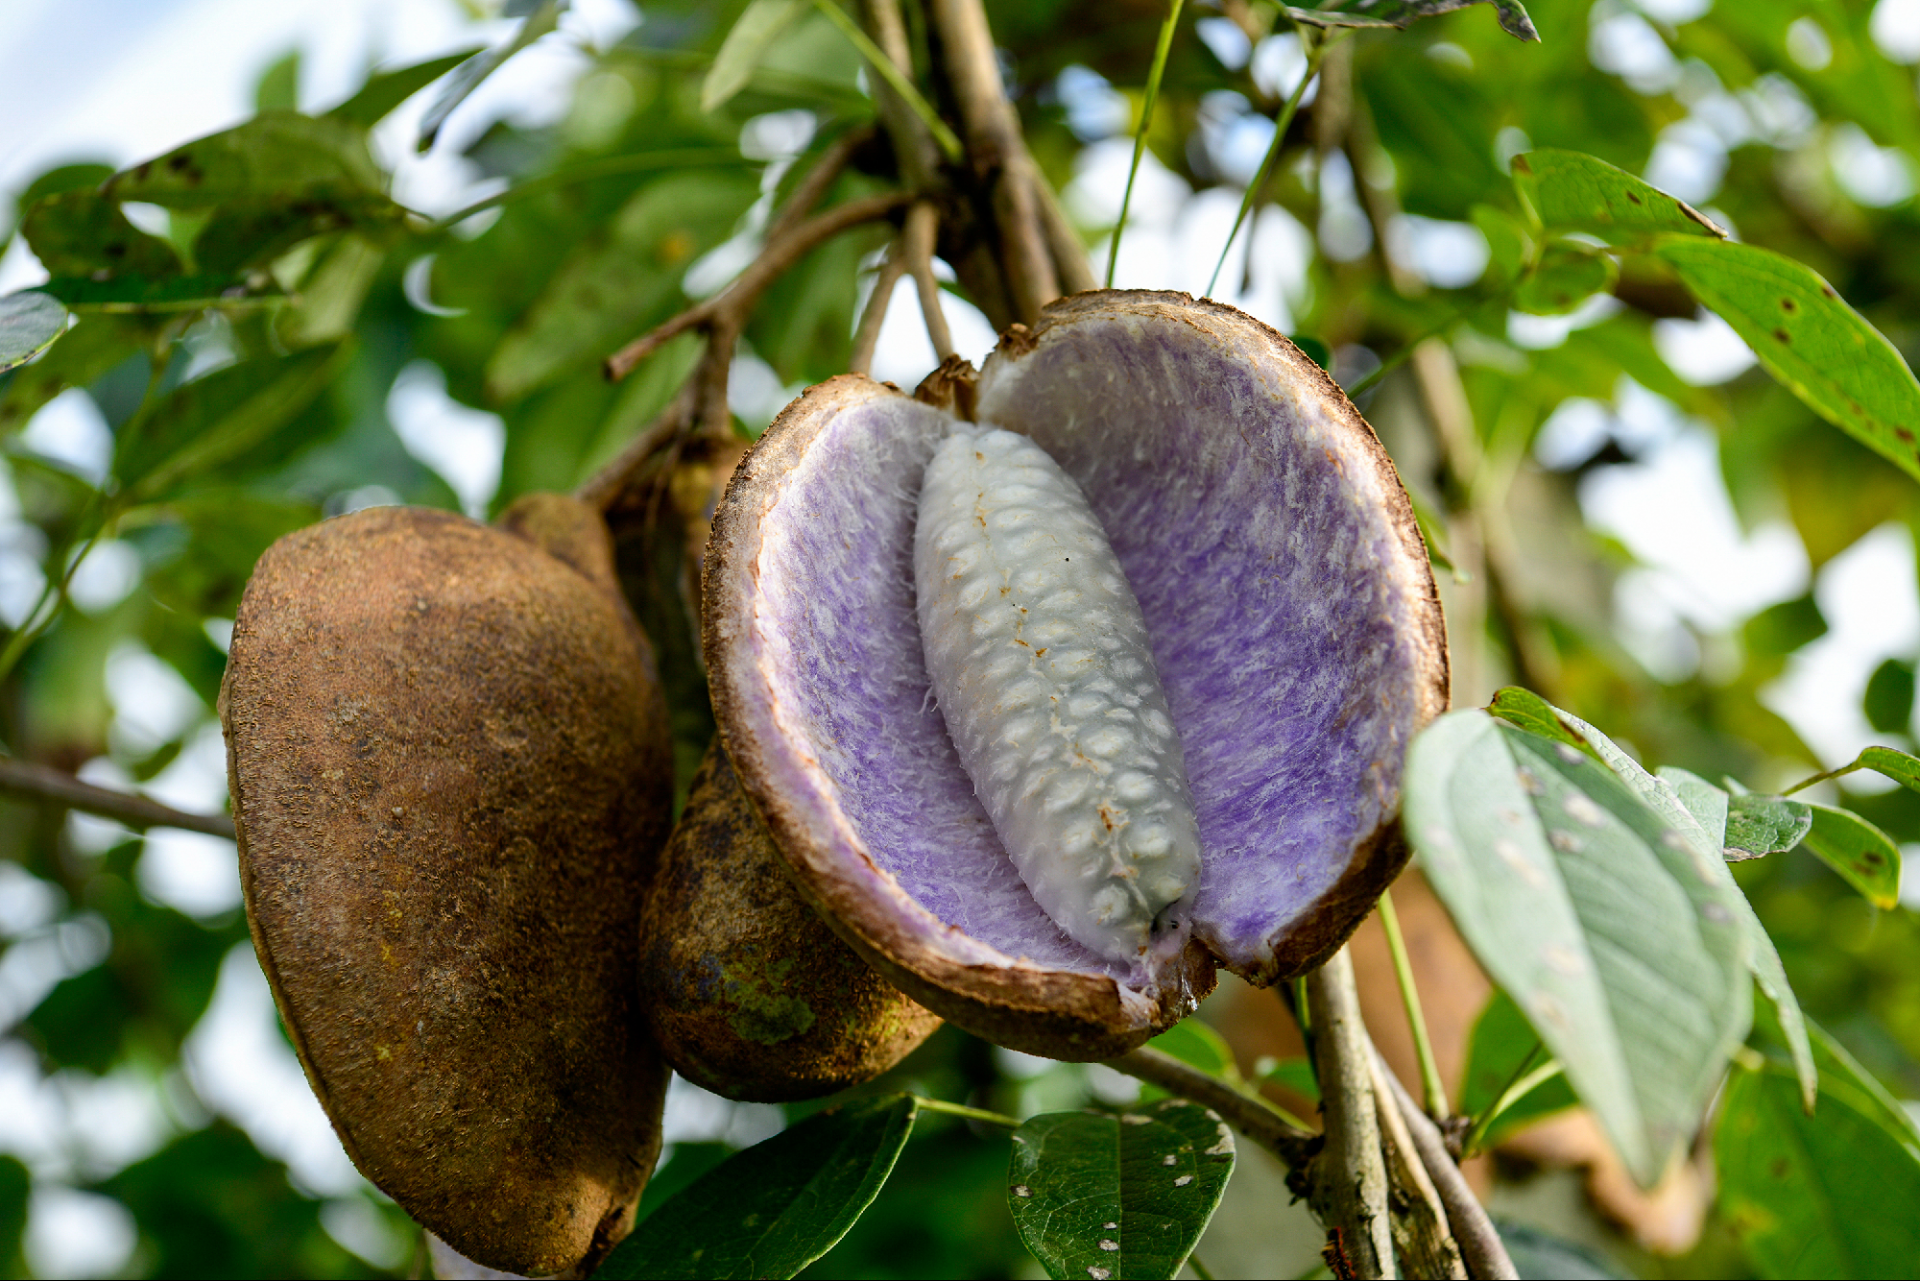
(1040, 664)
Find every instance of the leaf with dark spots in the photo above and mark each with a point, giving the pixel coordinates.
(272, 156)
(1865, 856)
(1571, 191)
(82, 233)
(1401, 14)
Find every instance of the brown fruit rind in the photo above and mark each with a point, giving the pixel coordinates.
(750, 994)
(449, 766)
(1286, 590)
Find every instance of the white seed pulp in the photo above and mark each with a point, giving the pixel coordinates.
(1039, 659)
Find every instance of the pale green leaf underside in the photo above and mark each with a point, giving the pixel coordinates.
(29, 323)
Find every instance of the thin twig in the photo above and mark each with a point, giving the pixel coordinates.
(867, 337)
(1273, 1129)
(1480, 1245)
(730, 307)
(1430, 1082)
(1419, 1221)
(26, 778)
(604, 489)
(917, 240)
(1349, 1178)
(961, 1110)
(1825, 776)
(997, 152)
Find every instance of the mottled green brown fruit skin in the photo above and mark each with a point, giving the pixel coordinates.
(450, 771)
(752, 996)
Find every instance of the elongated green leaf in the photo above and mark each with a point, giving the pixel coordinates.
(84, 234)
(1898, 766)
(385, 91)
(619, 281)
(272, 155)
(1502, 1042)
(29, 323)
(134, 295)
(750, 39)
(773, 1209)
(1563, 280)
(1831, 1195)
(1571, 191)
(1197, 1045)
(1865, 856)
(1529, 711)
(1611, 920)
(1097, 1195)
(1806, 336)
(1888, 700)
(475, 70)
(1841, 1073)
(1402, 13)
(1759, 825)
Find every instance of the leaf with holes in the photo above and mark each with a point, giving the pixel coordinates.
(1611, 920)
(1865, 856)
(29, 323)
(773, 1209)
(1806, 336)
(1830, 1195)
(1403, 13)
(1099, 1195)
(1759, 825)
(1571, 191)
(1898, 766)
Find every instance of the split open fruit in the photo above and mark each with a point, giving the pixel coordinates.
(1287, 601)
(450, 771)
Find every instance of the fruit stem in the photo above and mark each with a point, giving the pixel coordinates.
(972, 1114)
(1435, 1091)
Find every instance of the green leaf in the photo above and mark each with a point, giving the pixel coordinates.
(1529, 711)
(1780, 629)
(1094, 1194)
(1508, 245)
(773, 1209)
(475, 70)
(622, 278)
(1706, 803)
(30, 321)
(1565, 278)
(273, 155)
(82, 233)
(1831, 1195)
(1888, 701)
(1898, 766)
(92, 347)
(1197, 1045)
(748, 41)
(1402, 13)
(1602, 906)
(60, 178)
(1759, 825)
(1296, 1075)
(252, 233)
(382, 93)
(1806, 336)
(1502, 1042)
(135, 295)
(1865, 856)
(1570, 191)
(1841, 1073)
(1541, 1254)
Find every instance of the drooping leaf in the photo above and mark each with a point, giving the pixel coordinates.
(476, 69)
(1098, 1195)
(1608, 916)
(1809, 339)
(275, 154)
(30, 321)
(1865, 856)
(1565, 278)
(1896, 765)
(1570, 191)
(136, 295)
(617, 282)
(1829, 1195)
(773, 1209)
(84, 234)
(1502, 1042)
(1759, 825)
(1888, 700)
(1402, 13)
(386, 90)
(748, 41)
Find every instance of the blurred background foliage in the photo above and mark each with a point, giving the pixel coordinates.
(1654, 534)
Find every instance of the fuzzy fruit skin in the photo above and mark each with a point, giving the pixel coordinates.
(750, 994)
(1289, 602)
(450, 772)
